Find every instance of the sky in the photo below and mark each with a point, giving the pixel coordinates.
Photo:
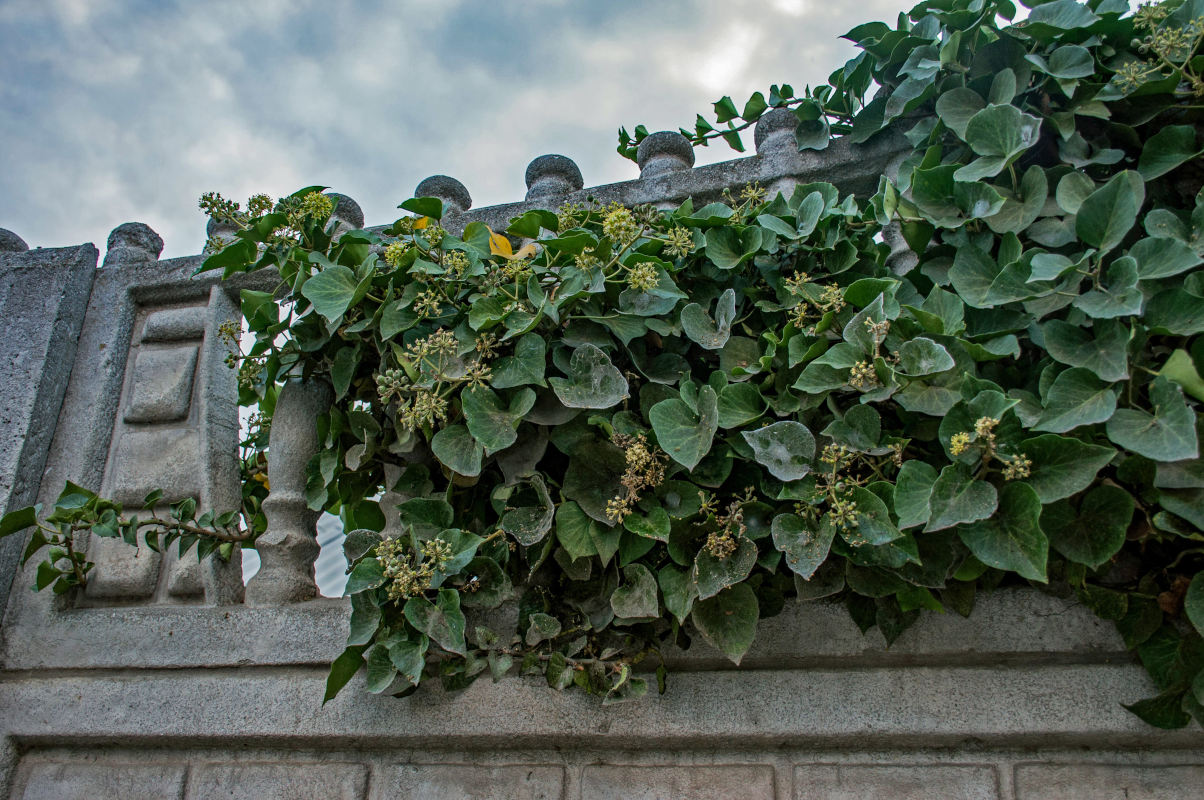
(128, 110)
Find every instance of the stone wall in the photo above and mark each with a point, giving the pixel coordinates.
(161, 682)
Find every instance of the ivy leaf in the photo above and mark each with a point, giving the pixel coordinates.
(999, 134)
(441, 620)
(1012, 539)
(593, 382)
(1095, 532)
(957, 107)
(331, 291)
(1193, 602)
(342, 670)
(653, 525)
(684, 434)
(1100, 348)
(582, 536)
(525, 367)
(409, 657)
(1164, 711)
(729, 620)
(457, 450)
(368, 574)
(594, 476)
(380, 671)
(1119, 297)
(712, 574)
(1171, 146)
(922, 356)
(739, 404)
(678, 590)
(957, 497)
(710, 334)
(784, 448)
(1062, 466)
(1169, 434)
(1160, 257)
(728, 248)
(873, 518)
(495, 427)
(1110, 211)
(636, 600)
(530, 524)
(1076, 398)
(913, 488)
(804, 547)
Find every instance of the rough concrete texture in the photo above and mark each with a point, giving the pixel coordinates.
(11, 242)
(180, 690)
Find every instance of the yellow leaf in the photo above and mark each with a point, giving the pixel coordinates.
(526, 251)
(499, 245)
(421, 223)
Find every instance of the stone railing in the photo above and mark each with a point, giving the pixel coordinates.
(167, 678)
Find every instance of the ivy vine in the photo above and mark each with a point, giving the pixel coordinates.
(1012, 398)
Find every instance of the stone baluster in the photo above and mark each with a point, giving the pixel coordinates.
(219, 233)
(133, 243)
(347, 214)
(663, 153)
(11, 242)
(455, 197)
(552, 177)
(289, 547)
(776, 143)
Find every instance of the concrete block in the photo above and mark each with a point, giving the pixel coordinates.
(171, 324)
(121, 572)
(677, 782)
(895, 782)
(1108, 782)
(162, 384)
(156, 459)
(471, 782)
(283, 781)
(104, 782)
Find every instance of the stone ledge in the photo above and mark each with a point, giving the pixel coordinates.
(1008, 626)
(755, 709)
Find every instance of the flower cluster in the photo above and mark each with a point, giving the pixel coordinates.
(680, 242)
(645, 469)
(405, 577)
(620, 224)
(643, 277)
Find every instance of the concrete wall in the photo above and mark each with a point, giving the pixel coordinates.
(160, 683)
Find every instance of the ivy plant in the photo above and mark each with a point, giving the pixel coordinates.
(987, 373)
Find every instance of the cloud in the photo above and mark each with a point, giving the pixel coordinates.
(114, 111)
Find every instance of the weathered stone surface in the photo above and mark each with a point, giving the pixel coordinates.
(775, 131)
(289, 781)
(470, 782)
(11, 242)
(162, 384)
(132, 242)
(895, 782)
(664, 152)
(166, 458)
(170, 324)
(122, 572)
(1108, 782)
(717, 782)
(346, 211)
(552, 176)
(454, 195)
(104, 782)
(43, 298)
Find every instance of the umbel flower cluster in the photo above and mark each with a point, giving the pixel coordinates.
(650, 429)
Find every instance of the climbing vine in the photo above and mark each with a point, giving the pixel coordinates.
(1010, 395)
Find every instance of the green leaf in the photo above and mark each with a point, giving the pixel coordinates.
(530, 524)
(784, 448)
(541, 626)
(1193, 602)
(999, 133)
(1062, 466)
(581, 536)
(729, 620)
(1049, 19)
(1110, 211)
(1164, 711)
(1171, 146)
(593, 382)
(441, 620)
(495, 427)
(19, 520)
(710, 334)
(913, 488)
(1119, 296)
(1102, 348)
(394, 319)
(957, 107)
(712, 574)
(921, 356)
(957, 497)
(874, 524)
(409, 657)
(728, 248)
(1181, 369)
(1076, 398)
(685, 435)
(1071, 61)
(1012, 539)
(331, 291)
(1159, 257)
(368, 574)
(525, 367)
(457, 450)
(1095, 532)
(1169, 434)
(365, 619)
(678, 590)
(653, 525)
(1073, 189)
(424, 206)
(804, 546)
(636, 598)
(343, 670)
(739, 404)
(380, 670)
(594, 477)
